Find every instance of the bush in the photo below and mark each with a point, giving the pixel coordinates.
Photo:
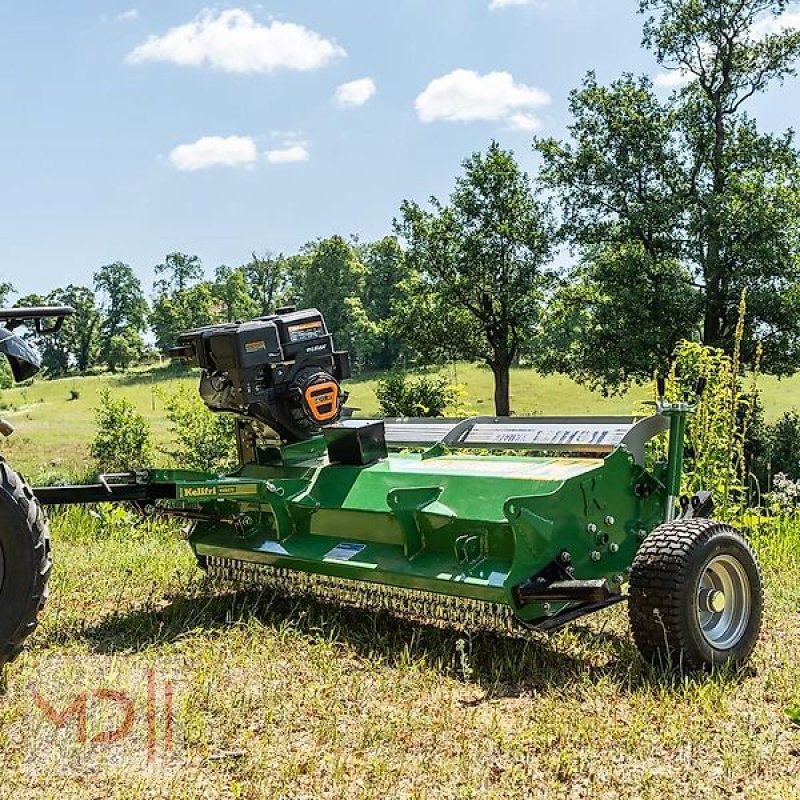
(204, 440)
(784, 445)
(6, 376)
(123, 440)
(422, 396)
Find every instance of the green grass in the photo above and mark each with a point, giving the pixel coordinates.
(54, 432)
(283, 698)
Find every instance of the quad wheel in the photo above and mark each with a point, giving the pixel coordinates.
(695, 595)
(25, 562)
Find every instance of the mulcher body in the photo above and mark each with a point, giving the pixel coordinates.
(540, 536)
(417, 516)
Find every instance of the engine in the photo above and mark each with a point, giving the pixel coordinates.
(280, 370)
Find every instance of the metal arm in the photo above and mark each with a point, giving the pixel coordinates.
(14, 317)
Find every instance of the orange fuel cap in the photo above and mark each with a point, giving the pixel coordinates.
(322, 400)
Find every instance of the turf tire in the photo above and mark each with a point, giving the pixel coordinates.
(664, 585)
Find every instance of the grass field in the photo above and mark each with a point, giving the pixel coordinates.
(278, 698)
(289, 699)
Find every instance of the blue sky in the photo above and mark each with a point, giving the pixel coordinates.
(134, 129)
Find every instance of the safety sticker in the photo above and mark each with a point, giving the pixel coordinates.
(344, 551)
(274, 547)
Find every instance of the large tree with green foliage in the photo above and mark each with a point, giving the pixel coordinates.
(268, 279)
(124, 314)
(385, 284)
(334, 283)
(479, 264)
(76, 345)
(183, 300)
(690, 189)
(233, 294)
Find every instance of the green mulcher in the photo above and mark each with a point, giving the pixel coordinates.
(416, 516)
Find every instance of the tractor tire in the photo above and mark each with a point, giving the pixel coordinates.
(696, 596)
(25, 562)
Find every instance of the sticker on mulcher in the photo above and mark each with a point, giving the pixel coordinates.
(344, 551)
(275, 548)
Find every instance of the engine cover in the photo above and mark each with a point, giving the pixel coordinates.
(281, 370)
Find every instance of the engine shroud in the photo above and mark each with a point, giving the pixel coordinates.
(281, 370)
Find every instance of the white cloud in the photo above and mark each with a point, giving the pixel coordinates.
(522, 121)
(288, 155)
(232, 41)
(128, 16)
(215, 151)
(497, 4)
(673, 78)
(354, 93)
(463, 96)
(767, 23)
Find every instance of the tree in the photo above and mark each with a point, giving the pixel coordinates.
(178, 272)
(387, 271)
(75, 346)
(334, 283)
(182, 310)
(231, 289)
(484, 257)
(6, 289)
(618, 319)
(709, 202)
(80, 333)
(630, 300)
(124, 310)
(268, 280)
(182, 299)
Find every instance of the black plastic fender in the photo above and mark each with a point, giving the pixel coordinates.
(25, 361)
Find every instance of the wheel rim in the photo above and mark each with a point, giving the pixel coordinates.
(724, 602)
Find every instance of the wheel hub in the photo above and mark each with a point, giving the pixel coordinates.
(712, 601)
(724, 602)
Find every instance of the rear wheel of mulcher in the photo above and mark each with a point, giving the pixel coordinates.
(695, 595)
(25, 562)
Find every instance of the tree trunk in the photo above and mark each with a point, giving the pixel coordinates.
(715, 301)
(502, 400)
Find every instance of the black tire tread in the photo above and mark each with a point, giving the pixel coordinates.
(34, 519)
(658, 586)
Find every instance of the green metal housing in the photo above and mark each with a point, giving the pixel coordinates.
(459, 524)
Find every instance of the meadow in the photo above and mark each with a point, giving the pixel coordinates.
(54, 430)
(280, 698)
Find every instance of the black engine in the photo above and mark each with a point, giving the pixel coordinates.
(281, 370)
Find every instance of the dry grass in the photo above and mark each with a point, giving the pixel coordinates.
(290, 699)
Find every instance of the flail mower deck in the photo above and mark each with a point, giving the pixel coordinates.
(414, 516)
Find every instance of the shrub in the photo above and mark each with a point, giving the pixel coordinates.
(123, 439)
(6, 376)
(785, 495)
(784, 445)
(726, 419)
(421, 396)
(203, 440)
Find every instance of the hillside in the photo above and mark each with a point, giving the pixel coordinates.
(53, 431)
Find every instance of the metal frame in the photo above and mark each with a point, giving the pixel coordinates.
(595, 435)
